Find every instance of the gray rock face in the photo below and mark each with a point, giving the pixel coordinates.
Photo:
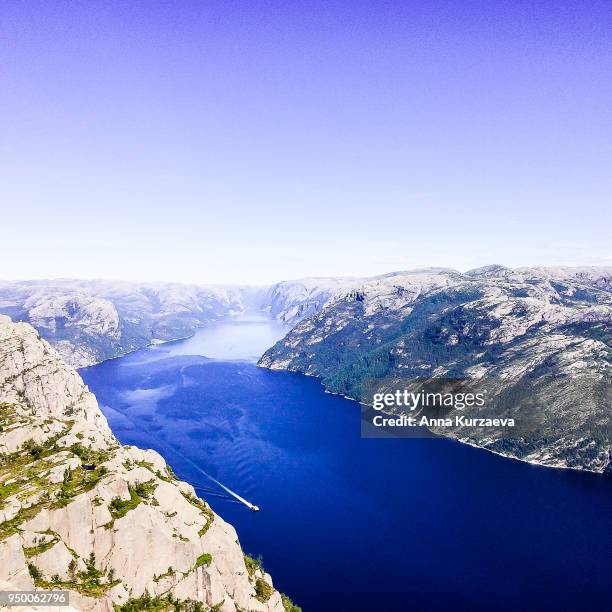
(538, 339)
(292, 301)
(80, 511)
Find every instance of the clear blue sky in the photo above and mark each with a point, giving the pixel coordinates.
(256, 141)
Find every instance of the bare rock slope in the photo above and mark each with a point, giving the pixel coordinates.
(111, 523)
(538, 340)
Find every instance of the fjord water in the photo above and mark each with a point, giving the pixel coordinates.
(349, 523)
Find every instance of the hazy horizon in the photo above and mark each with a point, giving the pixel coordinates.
(246, 143)
(278, 280)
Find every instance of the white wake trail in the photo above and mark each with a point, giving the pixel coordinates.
(241, 499)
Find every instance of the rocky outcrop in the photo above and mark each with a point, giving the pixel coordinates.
(111, 523)
(536, 339)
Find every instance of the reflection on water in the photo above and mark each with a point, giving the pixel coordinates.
(243, 338)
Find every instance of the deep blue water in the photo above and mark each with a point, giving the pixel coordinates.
(360, 524)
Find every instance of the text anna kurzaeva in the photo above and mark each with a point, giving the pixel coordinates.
(404, 408)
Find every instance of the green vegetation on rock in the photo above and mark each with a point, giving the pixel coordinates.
(41, 546)
(92, 582)
(203, 559)
(139, 492)
(169, 572)
(120, 507)
(78, 481)
(263, 591)
(166, 603)
(89, 455)
(204, 509)
(253, 564)
(289, 605)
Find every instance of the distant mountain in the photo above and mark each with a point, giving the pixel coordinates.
(538, 340)
(292, 301)
(89, 321)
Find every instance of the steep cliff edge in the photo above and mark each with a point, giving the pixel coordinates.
(294, 300)
(111, 523)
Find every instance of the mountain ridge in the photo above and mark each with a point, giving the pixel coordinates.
(90, 321)
(538, 339)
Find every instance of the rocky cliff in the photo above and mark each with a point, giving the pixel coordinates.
(111, 523)
(538, 340)
(292, 301)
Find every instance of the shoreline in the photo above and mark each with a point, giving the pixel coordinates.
(466, 442)
(158, 342)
